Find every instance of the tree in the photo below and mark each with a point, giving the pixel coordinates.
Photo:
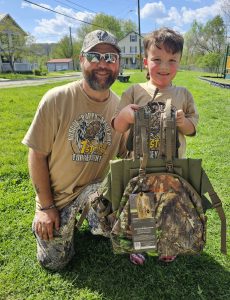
(67, 48)
(102, 21)
(190, 44)
(12, 41)
(63, 48)
(201, 40)
(225, 7)
(210, 61)
(214, 35)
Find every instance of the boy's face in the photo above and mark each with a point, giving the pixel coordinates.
(162, 66)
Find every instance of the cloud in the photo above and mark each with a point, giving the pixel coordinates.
(56, 27)
(25, 4)
(201, 14)
(178, 18)
(152, 9)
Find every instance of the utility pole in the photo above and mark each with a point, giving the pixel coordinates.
(71, 45)
(139, 33)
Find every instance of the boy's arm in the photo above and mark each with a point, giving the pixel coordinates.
(125, 117)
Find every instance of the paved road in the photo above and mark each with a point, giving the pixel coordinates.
(28, 82)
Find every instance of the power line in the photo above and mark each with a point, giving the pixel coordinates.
(81, 6)
(52, 10)
(66, 5)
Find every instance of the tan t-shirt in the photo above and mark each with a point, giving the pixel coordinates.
(75, 132)
(181, 98)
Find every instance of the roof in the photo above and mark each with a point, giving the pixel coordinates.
(135, 32)
(60, 60)
(4, 16)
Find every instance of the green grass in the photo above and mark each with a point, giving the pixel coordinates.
(95, 272)
(18, 76)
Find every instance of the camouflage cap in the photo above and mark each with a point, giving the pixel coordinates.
(99, 37)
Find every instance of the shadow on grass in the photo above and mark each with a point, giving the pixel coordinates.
(213, 76)
(96, 268)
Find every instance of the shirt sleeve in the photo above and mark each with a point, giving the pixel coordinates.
(191, 112)
(41, 133)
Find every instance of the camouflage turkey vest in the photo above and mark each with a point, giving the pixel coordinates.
(158, 204)
(162, 207)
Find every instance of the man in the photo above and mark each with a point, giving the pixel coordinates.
(70, 144)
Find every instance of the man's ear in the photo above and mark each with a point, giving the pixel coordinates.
(145, 62)
(81, 58)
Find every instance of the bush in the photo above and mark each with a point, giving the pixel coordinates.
(24, 72)
(37, 72)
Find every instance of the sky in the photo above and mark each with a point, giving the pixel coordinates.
(46, 26)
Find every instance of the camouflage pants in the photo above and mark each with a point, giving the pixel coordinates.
(57, 253)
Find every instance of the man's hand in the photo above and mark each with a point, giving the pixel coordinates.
(45, 222)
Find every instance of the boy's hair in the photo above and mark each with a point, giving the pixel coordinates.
(171, 40)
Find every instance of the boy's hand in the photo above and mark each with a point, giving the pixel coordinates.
(127, 113)
(184, 125)
(125, 117)
(180, 118)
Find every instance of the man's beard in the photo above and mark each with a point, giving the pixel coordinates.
(95, 83)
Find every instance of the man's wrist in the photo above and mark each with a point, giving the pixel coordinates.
(48, 207)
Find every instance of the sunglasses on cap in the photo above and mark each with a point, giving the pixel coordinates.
(95, 57)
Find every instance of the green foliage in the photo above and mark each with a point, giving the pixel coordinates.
(12, 41)
(63, 49)
(214, 32)
(210, 61)
(95, 272)
(202, 40)
(39, 72)
(225, 7)
(102, 21)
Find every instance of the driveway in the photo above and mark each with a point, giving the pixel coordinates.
(5, 83)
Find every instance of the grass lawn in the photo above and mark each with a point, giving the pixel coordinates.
(95, 272)
(17, 76)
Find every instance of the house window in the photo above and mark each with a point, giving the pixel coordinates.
(133, 38)
(133, 49)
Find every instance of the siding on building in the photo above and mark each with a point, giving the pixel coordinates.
(59, 64)
(130, 50)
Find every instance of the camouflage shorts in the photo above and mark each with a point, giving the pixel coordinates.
(56, 254)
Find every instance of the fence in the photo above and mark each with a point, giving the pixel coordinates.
(18, 67)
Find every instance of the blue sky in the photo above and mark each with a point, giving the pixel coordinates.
(46, 26)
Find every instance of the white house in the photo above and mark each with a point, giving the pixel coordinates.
(9, 33)
(60, 64)
(130, 50)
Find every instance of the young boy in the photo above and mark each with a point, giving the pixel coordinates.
(163, 50)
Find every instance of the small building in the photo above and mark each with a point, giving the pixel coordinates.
(130, 50)
(59, 64)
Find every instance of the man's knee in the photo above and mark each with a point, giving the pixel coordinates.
(56, 256)
(52, 264)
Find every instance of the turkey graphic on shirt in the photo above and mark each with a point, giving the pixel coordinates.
(89, 135)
